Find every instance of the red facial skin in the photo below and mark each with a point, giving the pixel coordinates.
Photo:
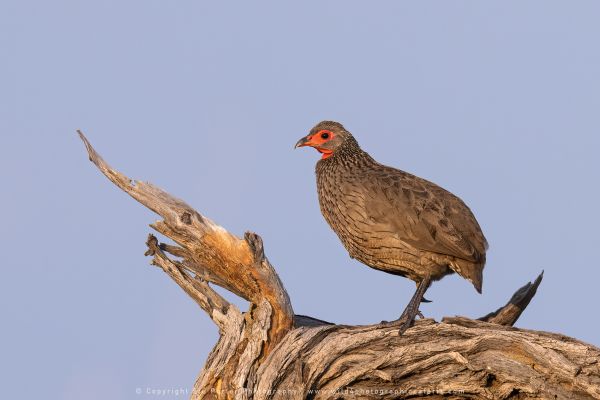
(317, 140)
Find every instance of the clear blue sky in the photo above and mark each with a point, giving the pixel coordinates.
(497, 101)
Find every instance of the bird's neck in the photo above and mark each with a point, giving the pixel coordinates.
(349, 155)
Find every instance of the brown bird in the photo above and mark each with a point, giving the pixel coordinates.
(391, 220)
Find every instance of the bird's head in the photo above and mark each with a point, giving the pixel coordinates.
(326, 137)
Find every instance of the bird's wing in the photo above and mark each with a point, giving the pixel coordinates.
(422, 214)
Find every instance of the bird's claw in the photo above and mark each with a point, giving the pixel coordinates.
(405, 322)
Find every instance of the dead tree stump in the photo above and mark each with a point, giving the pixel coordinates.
(267, 352)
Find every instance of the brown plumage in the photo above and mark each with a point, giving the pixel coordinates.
(391, 220)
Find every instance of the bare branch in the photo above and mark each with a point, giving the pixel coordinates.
(199, 290)
(510, 313)
(456, 359)
(215, 254)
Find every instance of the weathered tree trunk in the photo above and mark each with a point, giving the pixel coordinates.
(268, 352)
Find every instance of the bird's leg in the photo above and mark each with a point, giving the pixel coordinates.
(412, 308)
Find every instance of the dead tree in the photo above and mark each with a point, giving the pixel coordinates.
(267, 352)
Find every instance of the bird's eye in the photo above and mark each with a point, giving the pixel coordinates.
(324, 135)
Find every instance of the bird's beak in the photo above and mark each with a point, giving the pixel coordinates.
(305, 141)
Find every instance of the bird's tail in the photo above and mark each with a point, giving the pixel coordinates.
(477, 279)
(471, 271)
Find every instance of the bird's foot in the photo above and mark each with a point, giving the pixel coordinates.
(407, 319)
(404, 322)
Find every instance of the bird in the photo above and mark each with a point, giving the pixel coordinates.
(392, 220)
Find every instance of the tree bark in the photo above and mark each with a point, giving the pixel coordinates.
(268, 352)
